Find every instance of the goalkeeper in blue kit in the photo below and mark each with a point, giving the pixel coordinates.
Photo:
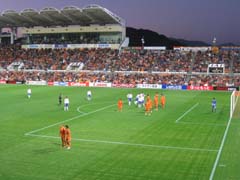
(214, 105)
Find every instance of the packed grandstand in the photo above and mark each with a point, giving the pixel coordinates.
(88, 47)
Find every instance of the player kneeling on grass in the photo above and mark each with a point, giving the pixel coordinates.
(68, 137)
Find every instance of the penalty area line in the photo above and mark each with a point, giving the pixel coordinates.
(184, 114)
(128, 144)
(220, 150)
(70, 119)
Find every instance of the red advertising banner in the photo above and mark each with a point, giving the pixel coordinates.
(222, 88)
(2, 82)
(11, 82)
(50, 83)
(86, 84)
(200, 88)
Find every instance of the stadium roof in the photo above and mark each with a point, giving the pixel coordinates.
(50, 16)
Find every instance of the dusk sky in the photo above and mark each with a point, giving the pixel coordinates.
(187, 19)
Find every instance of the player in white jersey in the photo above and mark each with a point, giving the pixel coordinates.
(66, 103)
(89, 95)
(136, 99)
(129, 96)
(29, 93)
(141, 100)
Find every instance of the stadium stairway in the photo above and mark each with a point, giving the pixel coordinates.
(191, 67)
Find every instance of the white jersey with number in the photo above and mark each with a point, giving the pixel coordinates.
(66, 101)
(89, 93)
(129, 96)
(29, 91)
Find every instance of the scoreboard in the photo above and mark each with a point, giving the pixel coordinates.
(216, 68)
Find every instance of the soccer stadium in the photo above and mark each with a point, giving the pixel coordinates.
(78, 103)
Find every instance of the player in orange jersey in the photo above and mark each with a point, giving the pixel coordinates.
(163, 101)
(148, 107)
(120, 105)
(156, 101)
(68, 137)
(148, 97)
(62, 134)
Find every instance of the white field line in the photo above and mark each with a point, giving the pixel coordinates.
(220, 150)
(129, 144)
(80, 111)
(70, 119)
(187, 112)
(85, 105)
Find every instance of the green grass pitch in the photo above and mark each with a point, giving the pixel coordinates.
(180, 142)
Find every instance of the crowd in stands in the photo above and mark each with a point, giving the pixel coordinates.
(122, 78)
(130, 66)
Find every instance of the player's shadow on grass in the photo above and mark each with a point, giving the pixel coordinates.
(48, 149)
(57, 143)
(45, 150)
